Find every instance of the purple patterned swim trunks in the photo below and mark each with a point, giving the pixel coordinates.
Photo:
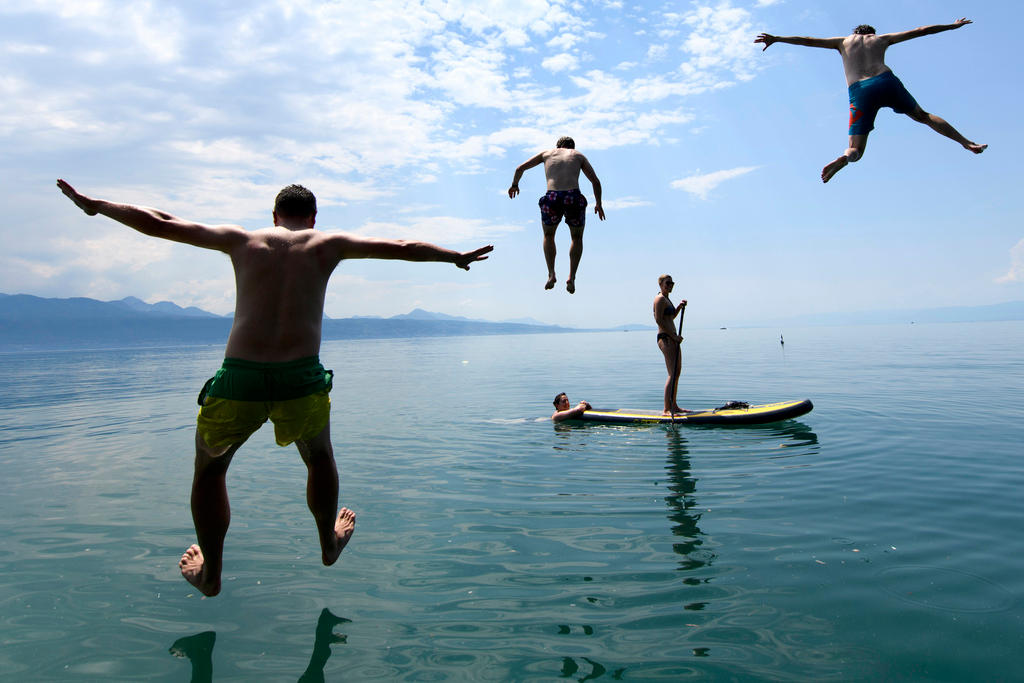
(568, 203)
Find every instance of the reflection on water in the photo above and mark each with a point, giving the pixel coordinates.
(495, 548)
(696, 619)
(198, 649)
(682, 504)
(571, 668)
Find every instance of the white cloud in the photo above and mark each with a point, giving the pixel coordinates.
(700, 185)
(625, 203)
(23, 266)
(444, 230)
(657, 52)
(112, 251)
(560, 62)
(563, 41)
(140, 29)
(422, 70)
(350, 295)
(206, 114)
(720, 41)
(1016, 272)
(33, 49)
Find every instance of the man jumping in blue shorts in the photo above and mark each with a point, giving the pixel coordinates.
(873, 85)
(562, 167)
(271, 367)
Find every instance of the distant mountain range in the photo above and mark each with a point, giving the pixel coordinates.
(28, 322)
(31, 322)
(420, 314)
(14, 307)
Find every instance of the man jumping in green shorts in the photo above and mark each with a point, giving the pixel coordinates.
(873, 85)
(271, 368)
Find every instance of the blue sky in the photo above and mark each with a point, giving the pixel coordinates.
(407, 120)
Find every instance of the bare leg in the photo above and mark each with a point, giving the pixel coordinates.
(575, 252)
(942, 127)
(211, 514)
(670, 350)
(334, 527)
(549, 255)
(854, 152)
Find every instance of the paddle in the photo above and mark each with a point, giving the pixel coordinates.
(679, 358)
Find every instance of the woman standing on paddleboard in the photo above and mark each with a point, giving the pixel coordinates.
(668, 341)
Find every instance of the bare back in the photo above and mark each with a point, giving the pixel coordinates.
(281, 273)
(562, 168)
(864, 56)
(280, 280)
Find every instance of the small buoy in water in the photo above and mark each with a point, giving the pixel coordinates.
(781, 340)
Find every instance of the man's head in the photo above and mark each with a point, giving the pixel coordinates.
(864, 30)
(565, 142)
(295, 202)
(561, 400)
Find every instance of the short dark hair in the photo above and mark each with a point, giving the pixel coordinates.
(566, 142)
(865, 30)
(555, 402)
(295, 201)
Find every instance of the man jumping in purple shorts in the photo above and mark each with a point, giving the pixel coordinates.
(873, 85)
(562, 167)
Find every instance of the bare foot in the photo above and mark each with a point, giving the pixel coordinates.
(191, 566)
(551, 282)
(343, 529)
(833, 168)
(570, 286)
(675, 411)
(975, 147)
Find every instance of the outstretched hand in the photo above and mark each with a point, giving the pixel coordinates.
(81, 201)
(513, 191)
(765, 38)
(962, 22)
(468, 257)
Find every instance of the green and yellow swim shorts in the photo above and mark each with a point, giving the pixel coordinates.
(244, 394)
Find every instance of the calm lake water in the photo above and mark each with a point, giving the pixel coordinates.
(878, 537)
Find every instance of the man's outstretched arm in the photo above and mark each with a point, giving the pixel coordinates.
(158, 223)
(513, 190)
(345, 246)
(768, 40)
(894, 38)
